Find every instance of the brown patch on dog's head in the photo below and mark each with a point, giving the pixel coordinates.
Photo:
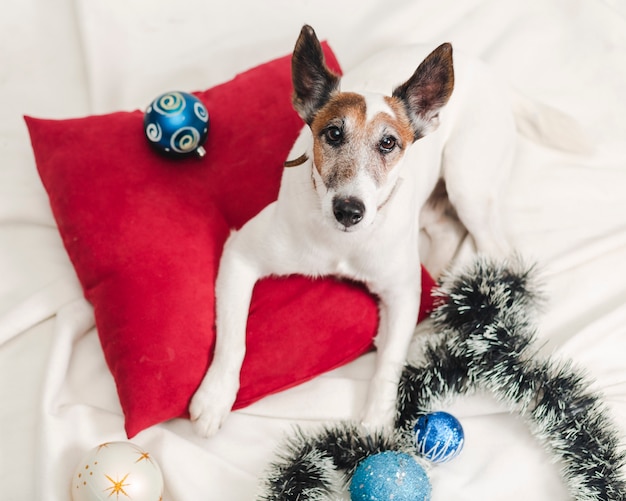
(402, 122)
(353, 132)
(333, 127)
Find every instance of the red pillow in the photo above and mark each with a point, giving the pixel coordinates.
(145, 232)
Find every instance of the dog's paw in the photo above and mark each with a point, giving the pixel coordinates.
(377, 419)
(379, 411)
(206, 419)
(211, 405)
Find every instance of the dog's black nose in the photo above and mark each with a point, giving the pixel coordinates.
(348, 211)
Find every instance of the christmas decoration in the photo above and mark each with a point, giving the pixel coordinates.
(390, 475)
(439, 436)
(177, 123)
(482, 338)
(117, 470)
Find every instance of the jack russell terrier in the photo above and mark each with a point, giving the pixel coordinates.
(357, 194)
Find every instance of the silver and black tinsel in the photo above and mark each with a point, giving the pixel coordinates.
(483, 339)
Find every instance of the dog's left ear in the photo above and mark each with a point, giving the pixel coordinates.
(428, 90)
(313, 82)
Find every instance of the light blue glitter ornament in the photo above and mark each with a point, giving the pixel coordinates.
(390, 475)
(177, 123)
(439, 437)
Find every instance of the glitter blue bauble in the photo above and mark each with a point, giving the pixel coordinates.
(177, 123)
(439, 437)
(390, 475)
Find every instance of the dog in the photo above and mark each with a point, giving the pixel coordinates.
(378, 163)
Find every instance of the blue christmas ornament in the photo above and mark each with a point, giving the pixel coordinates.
(177, 123)
(390, 475)
(439, 436)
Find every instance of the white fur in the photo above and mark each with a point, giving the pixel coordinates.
(472, 149)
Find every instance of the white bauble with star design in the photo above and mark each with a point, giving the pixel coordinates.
(119, 471)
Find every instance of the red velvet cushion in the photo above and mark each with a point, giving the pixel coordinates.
(145, 234)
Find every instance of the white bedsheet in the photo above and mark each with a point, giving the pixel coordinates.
(64, 58)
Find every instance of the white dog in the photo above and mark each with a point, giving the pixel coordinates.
(351, 197)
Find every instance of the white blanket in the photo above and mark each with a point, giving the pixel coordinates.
(64, 58)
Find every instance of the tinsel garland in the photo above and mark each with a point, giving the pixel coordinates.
(483, 339)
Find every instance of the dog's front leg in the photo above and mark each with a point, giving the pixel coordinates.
(397, 319)
(216, 395)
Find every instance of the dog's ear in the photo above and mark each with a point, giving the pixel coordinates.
(428, 90)
(313, 82)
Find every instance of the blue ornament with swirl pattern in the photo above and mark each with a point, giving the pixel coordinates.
(177, 123)
(439, 436)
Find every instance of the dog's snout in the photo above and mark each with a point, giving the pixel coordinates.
(348, 211)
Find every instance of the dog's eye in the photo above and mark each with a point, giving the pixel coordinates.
(334, 135)
(387, 144)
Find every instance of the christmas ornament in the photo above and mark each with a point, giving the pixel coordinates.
(389, 475)
(177, 123)
(483, 338)
(438, 436)
(117, 470)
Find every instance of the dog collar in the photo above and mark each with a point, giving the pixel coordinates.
(298, 161)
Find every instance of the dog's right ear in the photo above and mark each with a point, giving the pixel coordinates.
(313, 82)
